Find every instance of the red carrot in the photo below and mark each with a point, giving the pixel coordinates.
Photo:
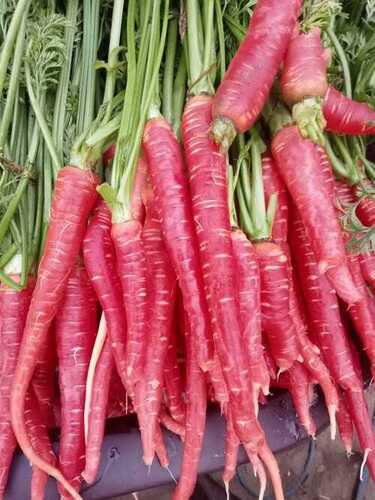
(366, 207)
(298, 383)
(210, 210)
(304, 72)
(244, 90)
(97, 412)
(100, 262)
(40, 441)
(249, 296)
(367, 261)
(299, 163)
(217, 381)
(196, 404)
(276, 320)
(13, 310)
(173, 383)
(232, 445)
(172, 425)
(326, 325)
(169, 182)
(74, 196)
(345, 116)
(162, 281)
(345, 425)
(43, 381)
(75, 326)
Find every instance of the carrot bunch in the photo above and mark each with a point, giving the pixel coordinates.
(186, 234)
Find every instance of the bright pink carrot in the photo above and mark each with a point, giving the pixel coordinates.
(304, 72)
(299, 163)
(345, 426)
(366, 207)
(273, 184)
(248, 282)
(217, 381)
(100, 263)
(168, 176)
(43, 381)
(345, 116)
(244, 90)
(174, 385)
(298, 383)
(276, 319)
(40, 441)
(97, 412)
(367, 261)
(13, 310)
(326, 325)
(76, 327)
(207, 167)
(172, 425)
(74, 196)
(196, 405)
(162, 282)
(232, 445)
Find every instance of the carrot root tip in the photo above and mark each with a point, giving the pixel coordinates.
(223, 132)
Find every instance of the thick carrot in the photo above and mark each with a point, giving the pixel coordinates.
(196, 405)
(168, 177)
(38, 431)
(207, 175)
(100, 263)
(13, 310)
(366, 208)
(345, 116)
(245, 87)
(325, 323)
(299, 163)
(75, 327)
(43, 381)
(277, 322)
(74, 196)
(162, 288)
(97, 412)
(248, 282)
(304, 71)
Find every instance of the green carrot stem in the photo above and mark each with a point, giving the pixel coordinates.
(221, 37)
(24, 245)
(207, 55)
(59, 114)
(42, 123)
(245, 218)
(169, 70)
(237, 30)
(339, 169)
(258, 205)
(194, 47)
(179, 94)
(12, 207)
(12, 92)
(7, 280)
(153, 46)
(343, 61)
(20, 13)
(8, 255)
(231, 203)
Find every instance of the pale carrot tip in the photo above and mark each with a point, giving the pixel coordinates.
(332, 419)
(171, 474)
(226, 484)
(365, 457)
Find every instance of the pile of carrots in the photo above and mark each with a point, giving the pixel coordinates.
(187, 218)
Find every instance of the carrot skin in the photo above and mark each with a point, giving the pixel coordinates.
(75, 327)
(325, 322)
(100, 263)
(277, 322)
(345, 426)
(315, 206)
(304, 71)
(207, 170)
(132, 271)
(245, 87)
(232, 445)
(74, 196)
(196, 406)
(13, 311)
(37, 429)
(367, 262)
(98, 410)
(345, 116)
(162, 287)
(174, 385)
(168, 177)
(248, 283)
